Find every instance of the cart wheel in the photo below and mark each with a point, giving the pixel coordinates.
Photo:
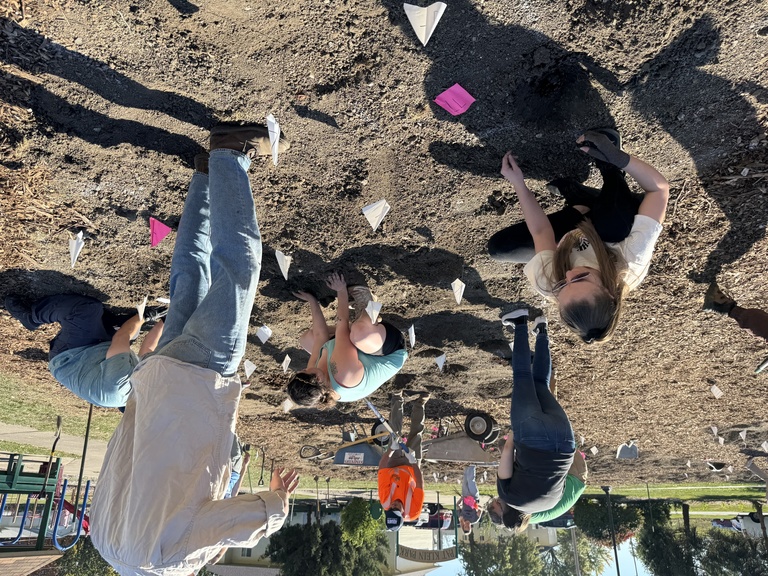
(478, 426)
(755, 517)
(494, 435)
(378, 428)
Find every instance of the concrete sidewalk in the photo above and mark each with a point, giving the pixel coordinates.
(67, 443)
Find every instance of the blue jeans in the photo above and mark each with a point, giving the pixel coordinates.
(538, 421)
(81, 319)
(215, 268)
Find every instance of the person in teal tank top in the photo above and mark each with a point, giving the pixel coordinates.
(350, 361)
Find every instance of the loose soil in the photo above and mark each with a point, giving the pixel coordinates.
(105, 103)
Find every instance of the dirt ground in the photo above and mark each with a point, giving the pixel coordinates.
(104, 104)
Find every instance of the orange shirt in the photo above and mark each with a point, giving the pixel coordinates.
(400, 484)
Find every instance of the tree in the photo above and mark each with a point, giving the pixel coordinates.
(665, 551)
(593, 557)
(591, 516)
(513, 556)
(732, 554)
(357, 525)
(84, 560)
(320, 550)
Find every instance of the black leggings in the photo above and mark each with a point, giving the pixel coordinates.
(612, 215)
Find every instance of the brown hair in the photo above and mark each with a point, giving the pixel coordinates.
(306, 390)
(594, 320)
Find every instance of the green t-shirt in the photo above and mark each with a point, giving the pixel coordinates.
(573, 489)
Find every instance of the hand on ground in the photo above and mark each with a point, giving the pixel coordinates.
(337, 282)
(306, 296)
(511, 171)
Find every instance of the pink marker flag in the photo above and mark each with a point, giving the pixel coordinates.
(456, 100)
(157, 231)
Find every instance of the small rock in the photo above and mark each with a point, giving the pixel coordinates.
(745, 172)
(78, 41)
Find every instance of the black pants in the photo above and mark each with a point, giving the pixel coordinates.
(612, 215)
(84, 321)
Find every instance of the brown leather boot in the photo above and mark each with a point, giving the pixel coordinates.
(252, 140)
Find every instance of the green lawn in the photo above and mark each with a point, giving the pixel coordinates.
(27, 405)
(28, 449)
(708, 491)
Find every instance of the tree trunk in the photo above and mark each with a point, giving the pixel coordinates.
(687, 520)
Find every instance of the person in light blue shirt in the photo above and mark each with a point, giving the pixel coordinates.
(351, 360)
(89, 356)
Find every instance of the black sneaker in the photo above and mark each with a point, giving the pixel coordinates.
(21, 310)
(539, 326)
(717, 300)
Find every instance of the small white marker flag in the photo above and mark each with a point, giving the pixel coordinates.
(716, 392)
(375, 213)
(743, 436)
(284, 262)
(249, 368)
(458, 290)
(714, 430)
(412, 335)
(373, 309)
(764, 446)
(424, 20)
(141, 307)
(594, 450)
(286, 363)
(440, 360)
(263, 334)
(75, 246)
(721, 440)
(274, 136)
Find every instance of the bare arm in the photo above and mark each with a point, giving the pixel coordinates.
(507, 461)
(654, 205)
(151, 339)
(345, 367)
(656, 187)
(538, 224)
(578, 467)
(121, 341)
(319, 327)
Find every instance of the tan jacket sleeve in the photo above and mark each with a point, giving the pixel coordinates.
(240, 521)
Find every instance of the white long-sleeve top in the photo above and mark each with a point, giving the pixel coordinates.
(158, 507)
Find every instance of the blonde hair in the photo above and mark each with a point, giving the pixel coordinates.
(524, 520)
(594, 320)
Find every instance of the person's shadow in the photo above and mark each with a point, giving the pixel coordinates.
(706, 122)
(56, 114)
(35, 284)
(184, 7)
(533, 96)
